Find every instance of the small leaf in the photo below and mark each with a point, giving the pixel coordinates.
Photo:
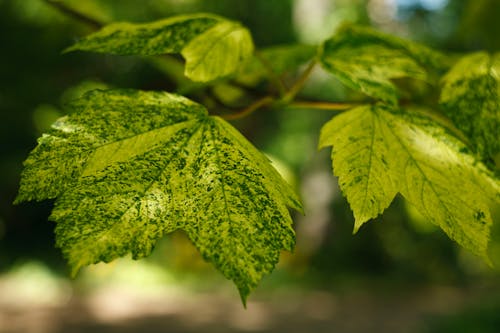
(366, 60)
(417, 158)
(471, 98)
(212, 46)
(217, 52)
(129, 166)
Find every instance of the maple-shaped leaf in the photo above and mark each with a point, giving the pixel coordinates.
(362, 147)
(379, 151)
(212, 46)
(367, 60)
(129, 166)
(471, 98)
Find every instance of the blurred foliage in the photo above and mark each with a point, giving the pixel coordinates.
(480, 317)
(400, 246)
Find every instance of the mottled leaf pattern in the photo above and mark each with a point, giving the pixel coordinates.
(442, 181)
(417, 158)
(165, 36)
(362, 145)
(366, 60)
(471, 98)
(212, 46)
(128, 167)
(95, 125)
(423, 55)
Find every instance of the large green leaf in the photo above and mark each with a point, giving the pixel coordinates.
(128, 167)
(379, 151)
(471, 98)
(367, 60)
(212, 46)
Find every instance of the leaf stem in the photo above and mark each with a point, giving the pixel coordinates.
(287, 95)
(323, 105)
(299, 84)
(73, 13)
(264, 101)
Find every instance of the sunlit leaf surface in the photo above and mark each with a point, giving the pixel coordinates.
(367, 60)
(129, 166)
(362, 145)
(212, 46)
(379, 151)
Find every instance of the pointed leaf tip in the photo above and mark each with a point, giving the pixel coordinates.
(362, 145)
(356, 227)
(379, 151)
(129, 166)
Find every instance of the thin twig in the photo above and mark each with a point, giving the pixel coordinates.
(299, 84)
(78, 16)
(287, 95)
(252, 91)
(322, 105)
(250, 109)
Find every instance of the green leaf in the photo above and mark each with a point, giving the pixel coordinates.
(379, 151)
(367, 60)
(219, 51)
(129, 166)
(212, 46)
(471, 98)
(164, 36)
(362, 147)
(423, 55)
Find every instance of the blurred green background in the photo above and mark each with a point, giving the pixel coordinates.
(399, 273)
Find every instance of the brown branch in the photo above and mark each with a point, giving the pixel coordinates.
(323, 105)
(299, 84)
(250, 109)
